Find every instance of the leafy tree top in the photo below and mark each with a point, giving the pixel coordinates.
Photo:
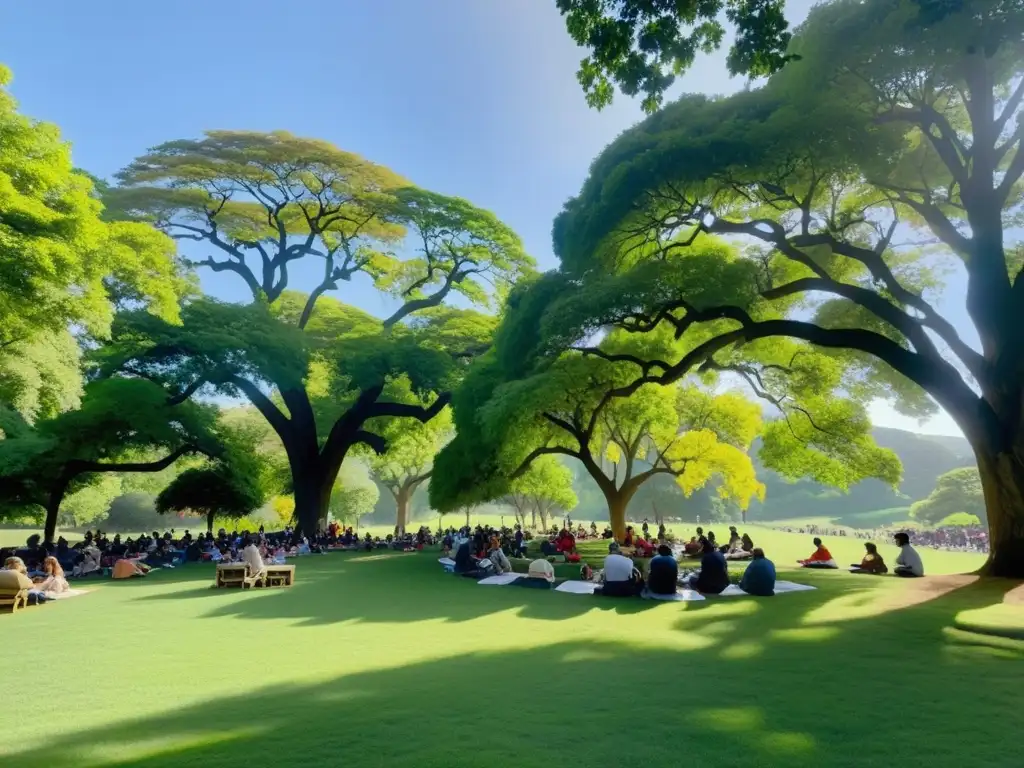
(60, 262)
(641, 46)
(956, 491)
(265, 200)
(900, 114)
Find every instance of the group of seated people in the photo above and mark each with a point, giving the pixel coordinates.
(621, 578)
(44, 584)
(908, 561)
(738, 548)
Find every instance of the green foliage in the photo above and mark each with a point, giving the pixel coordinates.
(960, 519)
(90, 503)
(224, 490)
(956, 492)
(354, 494)
(60, 263)
(546, 486)
(641, 46)
(40, 377)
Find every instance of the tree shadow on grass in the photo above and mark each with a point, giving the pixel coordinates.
(390, 588)
(875, 690)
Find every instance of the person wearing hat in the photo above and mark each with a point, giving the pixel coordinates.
(541, 575)
(621, 578)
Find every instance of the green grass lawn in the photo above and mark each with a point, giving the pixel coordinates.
(382, 659)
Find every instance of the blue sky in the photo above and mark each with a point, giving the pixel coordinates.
(476, 98)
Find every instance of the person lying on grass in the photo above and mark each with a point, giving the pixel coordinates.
(621, 578)
(713, 576)
(820, 558)
(872, 562)
(759, 578)
(908, 562)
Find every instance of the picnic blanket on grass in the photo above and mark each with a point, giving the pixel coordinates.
(69, 593)
(682, 595)
(781, 587)
(577, 587)
(501, 579)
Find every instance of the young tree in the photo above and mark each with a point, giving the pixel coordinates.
(409, 460)
(643, 45)
(543, 489)
(956, 491)
(902, 116)
(354, 494)
(223, 490)
(261, 202)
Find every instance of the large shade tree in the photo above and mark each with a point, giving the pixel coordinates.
(259, 203)
(902, 122)
(956, 492)
(532, 398)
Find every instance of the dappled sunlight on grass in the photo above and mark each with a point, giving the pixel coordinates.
(747, 726)
(381, 665)
(880, 595)
(804, 634)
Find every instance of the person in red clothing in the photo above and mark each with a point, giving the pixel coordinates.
(566, 543)
(643, 547)
(821, 558)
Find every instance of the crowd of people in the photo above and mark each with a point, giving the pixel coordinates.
(951, 537)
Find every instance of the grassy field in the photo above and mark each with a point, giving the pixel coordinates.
(382, 659)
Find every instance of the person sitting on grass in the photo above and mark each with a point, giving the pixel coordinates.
(541, 575)
(621, 578)
(694, 546)
(908, 562)
(497, 556)
(54, 582)
(872, 562)
(90, 562)
(820, 558)
(713, 576)
(628, 541)
(759, 578)
(643, 547)
(126, 569)
(663, 574)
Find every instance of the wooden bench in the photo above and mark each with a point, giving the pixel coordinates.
(231, 575)
(280, 575)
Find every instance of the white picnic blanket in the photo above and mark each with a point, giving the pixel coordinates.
(69, 593)
(781, 587)
(680, 596)
(446, 561)
(577, 587)
(500, 580)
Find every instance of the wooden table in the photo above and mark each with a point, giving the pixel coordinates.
(230, 575)
(280, 575)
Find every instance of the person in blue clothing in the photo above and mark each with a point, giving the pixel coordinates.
(759, 578)
(663, 572)
(714, 573)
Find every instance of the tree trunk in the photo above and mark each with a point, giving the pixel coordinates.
(312, 497)
(743, 515)
(1002, 482)
(53, 507)
(402, 504)
(209, 521)
(617, 516)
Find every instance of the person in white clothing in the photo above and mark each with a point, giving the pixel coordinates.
(252, 559)
(908, 562)
(621, 578)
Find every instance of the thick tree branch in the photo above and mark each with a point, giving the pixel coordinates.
(273, 415)
(377, 443)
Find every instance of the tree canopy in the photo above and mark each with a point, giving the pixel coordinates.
(641, 46)
(316, 369)
(956, 492)
(846, 180)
